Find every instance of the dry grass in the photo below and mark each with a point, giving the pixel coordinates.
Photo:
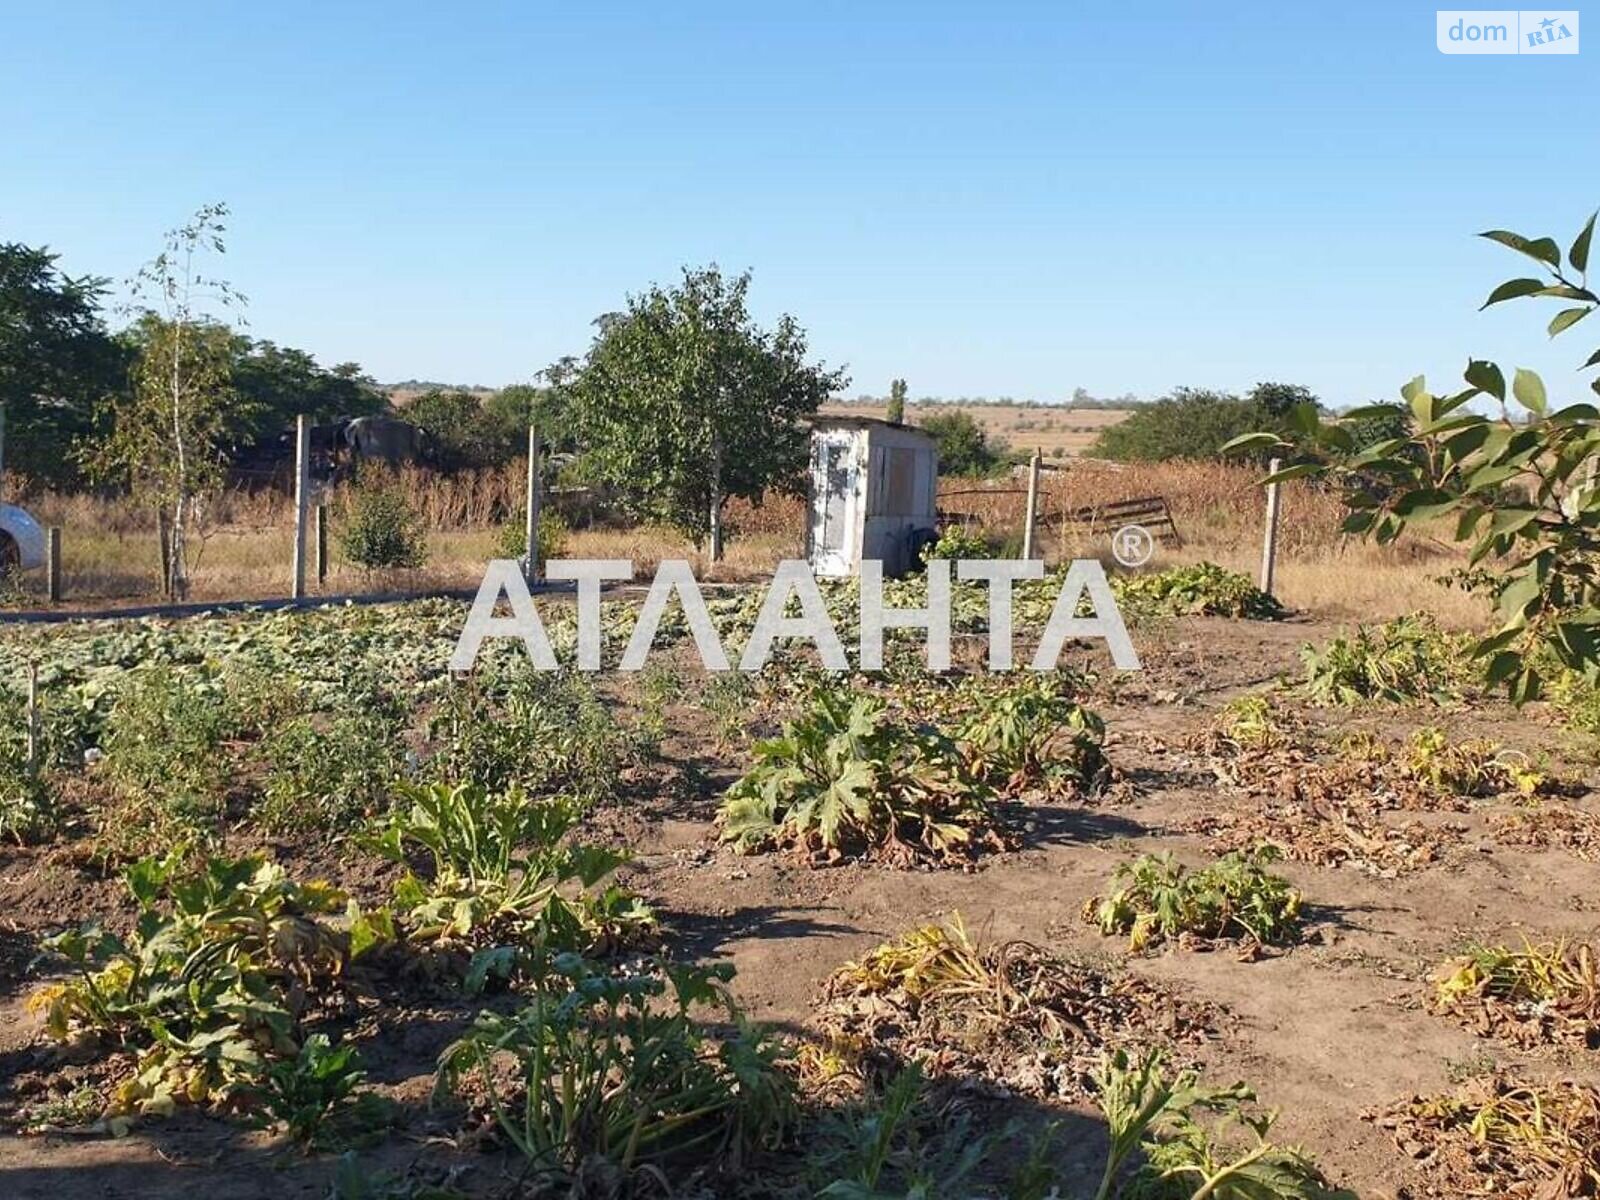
(109, 546)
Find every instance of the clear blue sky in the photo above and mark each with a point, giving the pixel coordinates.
(987, 199)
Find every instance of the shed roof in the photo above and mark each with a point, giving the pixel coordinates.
(845, 421)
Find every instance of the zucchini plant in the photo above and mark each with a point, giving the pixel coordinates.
(844, 778)
(504, 876)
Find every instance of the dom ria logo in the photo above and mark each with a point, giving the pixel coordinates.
(1480, 31)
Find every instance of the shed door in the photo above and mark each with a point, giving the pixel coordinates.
(833, 483)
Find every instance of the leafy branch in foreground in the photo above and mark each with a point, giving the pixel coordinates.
(1521, 489)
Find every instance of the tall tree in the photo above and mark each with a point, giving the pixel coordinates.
(277, 383)
(683, 401)
(57, 362)
(170, 433)
(897, 401)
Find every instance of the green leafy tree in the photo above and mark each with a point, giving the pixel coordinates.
(897, 401)
(170, 433)
(1520, 486)
(277, 383)
(683, 401)
(57, 363)
(964, 447)
(511, 408)
(1197, 423)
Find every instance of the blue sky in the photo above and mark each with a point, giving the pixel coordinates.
(986, 199)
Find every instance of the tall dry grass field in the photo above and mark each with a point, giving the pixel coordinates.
(244, 547)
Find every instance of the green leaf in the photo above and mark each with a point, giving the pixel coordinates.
(1529, 390)
(1511, 520)
(1578, 256)
(1521, 592)
(1542, 250)
(1567, 318)
(1511, 289)
(1426, 504)
(1251, 441)
(1501, 667)
(1297, 471)
(1421, 401)
(1486, 377)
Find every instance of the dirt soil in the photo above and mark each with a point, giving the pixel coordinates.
(1324, 1030)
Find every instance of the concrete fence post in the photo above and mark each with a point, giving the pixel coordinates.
(1269, 545)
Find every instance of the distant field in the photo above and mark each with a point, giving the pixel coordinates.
(1056, 432)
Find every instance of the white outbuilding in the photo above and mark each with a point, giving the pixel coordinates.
(873, 493)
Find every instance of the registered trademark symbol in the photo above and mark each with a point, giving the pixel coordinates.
(1132, 545)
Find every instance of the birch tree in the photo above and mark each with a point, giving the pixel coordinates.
(169, 434)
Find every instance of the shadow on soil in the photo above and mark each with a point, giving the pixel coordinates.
(1053, 825)
(707, 935)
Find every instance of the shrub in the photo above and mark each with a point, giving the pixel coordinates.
(27, 809)
(964, 446)
(957, 542)
(901, 1143)
(512, 540)
(541, 730)
(1182, 1132)
(1160, 899)
(601, 1065)
(1034, 733)
(1197, 423)
(314, 1096)
(381, 529)
(164, 755)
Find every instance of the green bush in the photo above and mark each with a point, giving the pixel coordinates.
(1160, 899)
(964, 447)
(542, 730)
(315, 1098)
(210, 986)
(1197, 423)
(512, 541)
(381, 529)
(846, 779)
(27, 811)
(505, 878)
